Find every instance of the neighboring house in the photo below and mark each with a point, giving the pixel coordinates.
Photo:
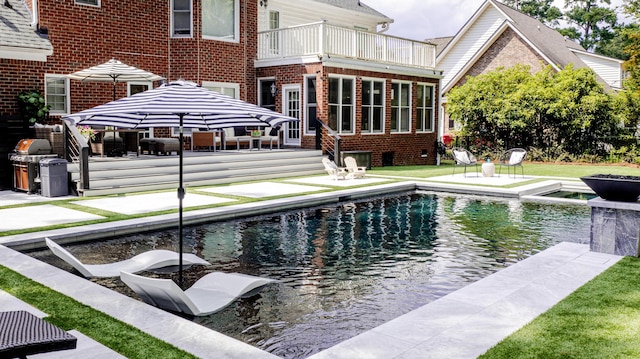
(325, 58)
(499, 36)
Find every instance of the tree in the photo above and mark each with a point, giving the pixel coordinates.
(542, 10)
(590, 23)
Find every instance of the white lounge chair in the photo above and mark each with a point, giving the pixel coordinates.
(208, 295)
(153, 259)
(333, 170)
(353, 169)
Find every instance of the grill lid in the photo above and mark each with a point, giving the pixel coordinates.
(33, 146)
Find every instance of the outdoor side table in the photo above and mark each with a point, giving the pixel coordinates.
(488, 169)
(22, 334)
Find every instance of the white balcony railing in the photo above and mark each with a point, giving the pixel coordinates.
(325, 39)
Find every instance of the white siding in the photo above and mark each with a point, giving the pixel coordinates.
(609, 70)
(300, 12)
(469, 44)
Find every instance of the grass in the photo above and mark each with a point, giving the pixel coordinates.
(68, 314)
(599, 320)
(531, 169)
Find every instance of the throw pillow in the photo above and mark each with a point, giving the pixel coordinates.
(274, 131)
(239, 131)
(462, 157)
(516, 157)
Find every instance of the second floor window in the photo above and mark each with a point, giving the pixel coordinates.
(88, 2)
(424, 120)
(220, 20)
(341, 104)
(181, 18)
(401, 107)
(372, 106)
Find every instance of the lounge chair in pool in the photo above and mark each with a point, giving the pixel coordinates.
(153, 259)
(463, 157)
(209, 294)
(333, 170)
(353, 169)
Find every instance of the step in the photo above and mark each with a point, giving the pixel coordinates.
(125, 175)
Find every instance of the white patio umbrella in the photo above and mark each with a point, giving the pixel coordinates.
(179, 104)
(114, 71)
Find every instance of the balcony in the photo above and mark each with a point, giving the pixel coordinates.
(322, 39)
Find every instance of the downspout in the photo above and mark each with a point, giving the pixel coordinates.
(440, 120)
(384, 27)
(34, 20)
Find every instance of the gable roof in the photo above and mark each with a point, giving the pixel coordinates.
(440, 42)
(358, 6)
(18, 40)
(492, 19)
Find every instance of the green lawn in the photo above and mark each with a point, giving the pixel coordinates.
(532, 169)
(599, 320)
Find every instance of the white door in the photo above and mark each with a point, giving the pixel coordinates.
(291, 107)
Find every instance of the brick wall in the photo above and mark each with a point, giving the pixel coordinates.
(507, 51)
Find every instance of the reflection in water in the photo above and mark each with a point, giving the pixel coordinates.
(346, 268)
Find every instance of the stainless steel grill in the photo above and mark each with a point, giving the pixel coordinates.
(25, 160)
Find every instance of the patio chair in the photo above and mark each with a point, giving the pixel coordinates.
(333, 170)
(354, 171)
(463, 157)
(237, 136)
(512, 158)
(153, 259)
(271, 135)
(209, 294)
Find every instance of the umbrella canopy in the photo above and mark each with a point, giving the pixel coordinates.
(161, 107)
(179, 104)
(114, 71)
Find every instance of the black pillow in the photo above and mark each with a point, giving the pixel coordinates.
(239, 131)
(274, 131)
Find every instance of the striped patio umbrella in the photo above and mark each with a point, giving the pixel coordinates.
(179, 104)
(114, 71)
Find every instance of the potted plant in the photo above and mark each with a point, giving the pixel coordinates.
(33, 106)
(614, 187)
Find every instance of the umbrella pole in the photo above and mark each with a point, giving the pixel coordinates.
(180, 198)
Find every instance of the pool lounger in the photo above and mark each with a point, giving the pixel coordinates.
(208, 295)
(153, 259)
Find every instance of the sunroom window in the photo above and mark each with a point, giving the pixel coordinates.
(372, 106)
(341, 105)
(425, 104)
(401, 107)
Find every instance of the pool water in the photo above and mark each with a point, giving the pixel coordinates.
(571, 195)
(346, 268)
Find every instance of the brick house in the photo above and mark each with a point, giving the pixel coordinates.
(327, 59)
(499, 36)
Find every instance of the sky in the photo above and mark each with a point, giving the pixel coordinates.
(423, 19)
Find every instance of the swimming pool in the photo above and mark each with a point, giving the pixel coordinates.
(346, 268)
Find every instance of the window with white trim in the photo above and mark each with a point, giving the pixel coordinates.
(424, 106)
(401, 107)
(88, 2)
(56, 90)
(226, 88)
(181, 18)
(311, 105)
(372, 106)
(221, 20)
(341, 104)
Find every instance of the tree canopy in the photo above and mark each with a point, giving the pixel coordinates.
(512, 107)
